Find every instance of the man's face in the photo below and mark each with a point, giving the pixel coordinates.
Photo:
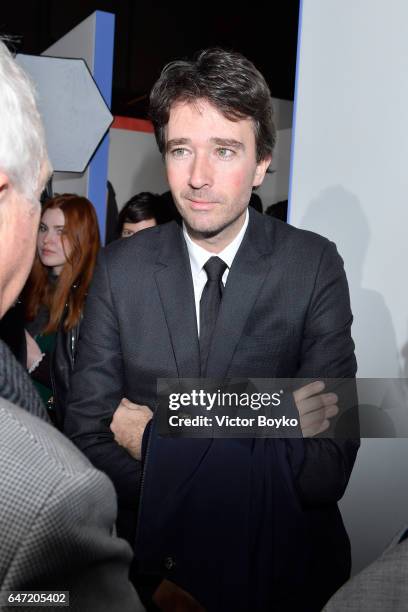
(19, 221)
(211, 168)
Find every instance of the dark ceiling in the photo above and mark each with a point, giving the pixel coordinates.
(147, 36)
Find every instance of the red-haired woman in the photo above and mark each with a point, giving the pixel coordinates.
(67, 247)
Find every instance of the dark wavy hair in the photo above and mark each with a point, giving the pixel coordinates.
(227, 80)
(140, 207)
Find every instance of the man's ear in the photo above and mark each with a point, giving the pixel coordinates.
(4, 185)
(260, 171)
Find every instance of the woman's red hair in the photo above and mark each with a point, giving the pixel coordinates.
(82, 232)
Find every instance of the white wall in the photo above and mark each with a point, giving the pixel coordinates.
(135, 164)
(350, 183)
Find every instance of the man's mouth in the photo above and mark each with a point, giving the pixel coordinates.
(201, 204)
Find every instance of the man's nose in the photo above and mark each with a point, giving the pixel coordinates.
(200, 172)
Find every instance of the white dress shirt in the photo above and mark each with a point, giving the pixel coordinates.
(199, 257)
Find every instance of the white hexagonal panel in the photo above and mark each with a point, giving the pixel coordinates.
(74, 112)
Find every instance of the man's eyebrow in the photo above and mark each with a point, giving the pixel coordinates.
(222, 142)
(176, 142)
(228, 142)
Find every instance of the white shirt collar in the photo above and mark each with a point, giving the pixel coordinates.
(199, 256)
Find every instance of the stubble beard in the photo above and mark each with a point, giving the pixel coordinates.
(211, 232)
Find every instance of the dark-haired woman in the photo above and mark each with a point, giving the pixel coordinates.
(67, 247)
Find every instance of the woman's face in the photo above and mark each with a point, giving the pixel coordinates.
(53, 246)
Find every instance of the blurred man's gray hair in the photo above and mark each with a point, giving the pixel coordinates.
(22, 144)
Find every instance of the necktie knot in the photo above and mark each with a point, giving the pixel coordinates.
(215, 268)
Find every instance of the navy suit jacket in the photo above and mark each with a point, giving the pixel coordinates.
(241, 524)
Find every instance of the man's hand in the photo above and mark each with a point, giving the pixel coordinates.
(128, 424)
(169, 597)
(315, 408)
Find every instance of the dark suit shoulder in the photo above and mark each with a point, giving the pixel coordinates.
(140, 252)
(142, 243)
(286, 232)
(290, 242)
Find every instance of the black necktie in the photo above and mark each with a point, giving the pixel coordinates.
(209, 306)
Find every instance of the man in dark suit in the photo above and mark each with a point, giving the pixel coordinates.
(236, 524)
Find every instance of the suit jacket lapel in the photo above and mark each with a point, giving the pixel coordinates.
(245, 279)
(175, 284)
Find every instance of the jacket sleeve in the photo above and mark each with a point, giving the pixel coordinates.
(62, 365)
(97, 387)
(71, 547)
(322, 466)
(379, 586)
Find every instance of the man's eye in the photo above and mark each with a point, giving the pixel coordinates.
(42, 228)
(179, 153)
(225, 153)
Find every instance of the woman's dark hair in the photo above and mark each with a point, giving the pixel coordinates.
(227, 80)
(140, 207)
(82, 232)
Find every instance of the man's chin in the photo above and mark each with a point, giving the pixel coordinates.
(201, 231)
(206, 228)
